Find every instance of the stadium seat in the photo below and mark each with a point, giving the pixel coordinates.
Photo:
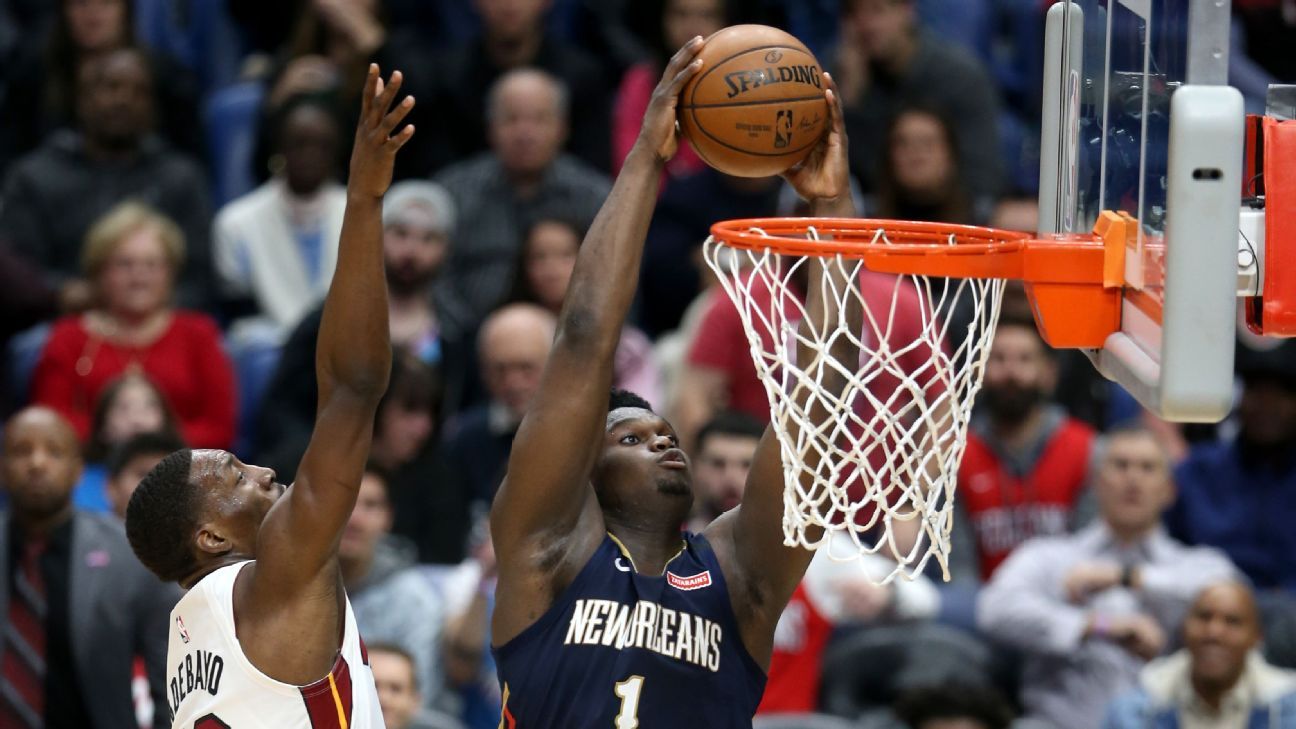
(869, 668)
(254, 352)
(198, 33)
(230, 117)
(24, 352)
(966, 22)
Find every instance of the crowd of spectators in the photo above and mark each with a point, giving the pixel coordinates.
(171, 192)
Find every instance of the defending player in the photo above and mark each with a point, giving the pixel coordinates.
(265, 636)
(606, 615)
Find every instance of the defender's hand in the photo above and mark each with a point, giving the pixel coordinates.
(375, 147)
(825, 173)
(659, 133)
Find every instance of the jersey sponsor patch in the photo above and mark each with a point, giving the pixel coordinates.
(692, 582)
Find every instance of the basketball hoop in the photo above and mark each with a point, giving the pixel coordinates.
(889, 452)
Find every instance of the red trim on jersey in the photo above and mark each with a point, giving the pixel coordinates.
(364, 652)
(506, 717)
(328, 700)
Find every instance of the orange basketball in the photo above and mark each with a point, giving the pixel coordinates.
(757, 107)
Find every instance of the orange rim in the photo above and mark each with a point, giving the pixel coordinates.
(857, 237)
(1064, 276)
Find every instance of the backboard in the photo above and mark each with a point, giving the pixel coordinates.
(1138, 119)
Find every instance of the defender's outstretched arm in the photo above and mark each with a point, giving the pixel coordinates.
(352, 361)
(547, 487)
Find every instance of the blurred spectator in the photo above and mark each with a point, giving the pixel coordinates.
(525, 175)
(673, 23)
(885, 61)
(514, 36)
(672, 272)
(470, 666)
(513, 346)
(53, 195)
(42, 80)
(275, 248)
(131, 256)
(131, 460)
(1218, 679)
(1270, 27)
(1027, 462)
(544, 269)
(722, 456)
(78, 606)
(324, 48)
(919, 178)
(1240, 494)
(431, 503)
(393, 603)
(430, 508)
(953, 706)
(419, 222)
(1089, 609)
(129, 405)
(399, 695)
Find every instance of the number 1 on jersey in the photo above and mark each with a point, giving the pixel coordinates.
(628, 691)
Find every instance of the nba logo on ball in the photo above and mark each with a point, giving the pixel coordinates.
(757, 107)
(783, 129)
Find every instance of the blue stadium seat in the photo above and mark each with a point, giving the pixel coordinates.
(254, 352)
(230, 117)
(965, 22)
(198, 33)
(24, 351)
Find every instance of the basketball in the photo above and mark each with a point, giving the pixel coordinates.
(757, 107)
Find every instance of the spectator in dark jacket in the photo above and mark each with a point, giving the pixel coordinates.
(94, 608)
(514, 36)
(42, 78)
(53, 195)
(512, 347)
(1240, 494)
(885, 61)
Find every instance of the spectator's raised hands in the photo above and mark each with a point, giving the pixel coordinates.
(375, 145)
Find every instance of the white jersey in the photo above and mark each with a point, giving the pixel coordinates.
(212, 685)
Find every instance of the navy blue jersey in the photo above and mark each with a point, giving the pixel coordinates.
(619, 650)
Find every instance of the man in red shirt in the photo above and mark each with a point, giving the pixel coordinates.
(1027, 462)
(719, 372)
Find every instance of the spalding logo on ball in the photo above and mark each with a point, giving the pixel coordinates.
(757, 108)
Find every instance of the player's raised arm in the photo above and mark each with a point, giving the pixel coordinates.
(352, 360)
(547, 487)
(767, 572)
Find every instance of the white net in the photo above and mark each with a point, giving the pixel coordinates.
(881, 467)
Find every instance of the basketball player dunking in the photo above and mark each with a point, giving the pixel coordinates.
(265, 637)
(607, 615)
